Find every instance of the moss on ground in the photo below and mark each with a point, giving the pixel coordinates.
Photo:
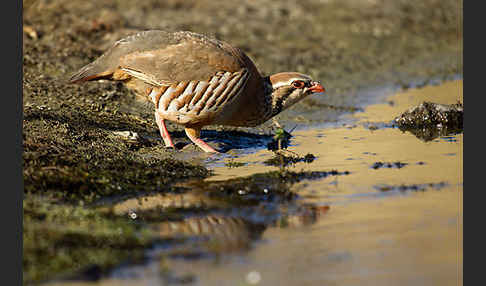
(61, 239)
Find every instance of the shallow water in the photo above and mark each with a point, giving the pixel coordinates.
(394, 219)
(404, 236)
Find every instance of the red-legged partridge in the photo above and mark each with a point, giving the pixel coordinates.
(195, 81)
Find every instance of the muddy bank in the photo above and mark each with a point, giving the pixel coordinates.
(73, 152)
(69, 240)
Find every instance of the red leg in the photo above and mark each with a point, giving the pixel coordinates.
(163, 130)
(193, 134)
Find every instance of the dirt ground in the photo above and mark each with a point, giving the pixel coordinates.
(72, 151)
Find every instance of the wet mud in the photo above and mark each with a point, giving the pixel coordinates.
(106, 204)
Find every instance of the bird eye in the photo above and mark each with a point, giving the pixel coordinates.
(298, 84)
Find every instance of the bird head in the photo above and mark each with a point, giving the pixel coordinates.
(287, 88)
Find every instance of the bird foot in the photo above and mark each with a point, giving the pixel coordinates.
(194, 134)
(203, 145)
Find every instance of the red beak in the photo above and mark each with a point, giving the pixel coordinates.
(317, 87)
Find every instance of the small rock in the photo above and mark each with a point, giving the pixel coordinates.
(127, 135)
(30, 32)
(430, 120)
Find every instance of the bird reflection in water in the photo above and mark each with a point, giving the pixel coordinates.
(210, 226)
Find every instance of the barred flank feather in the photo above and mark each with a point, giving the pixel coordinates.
(196, 97)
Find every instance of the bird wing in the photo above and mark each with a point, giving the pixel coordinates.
(163, 58)
(181, 57)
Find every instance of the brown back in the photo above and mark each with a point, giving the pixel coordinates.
(167, 58)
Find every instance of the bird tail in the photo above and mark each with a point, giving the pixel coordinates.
(89, 72)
